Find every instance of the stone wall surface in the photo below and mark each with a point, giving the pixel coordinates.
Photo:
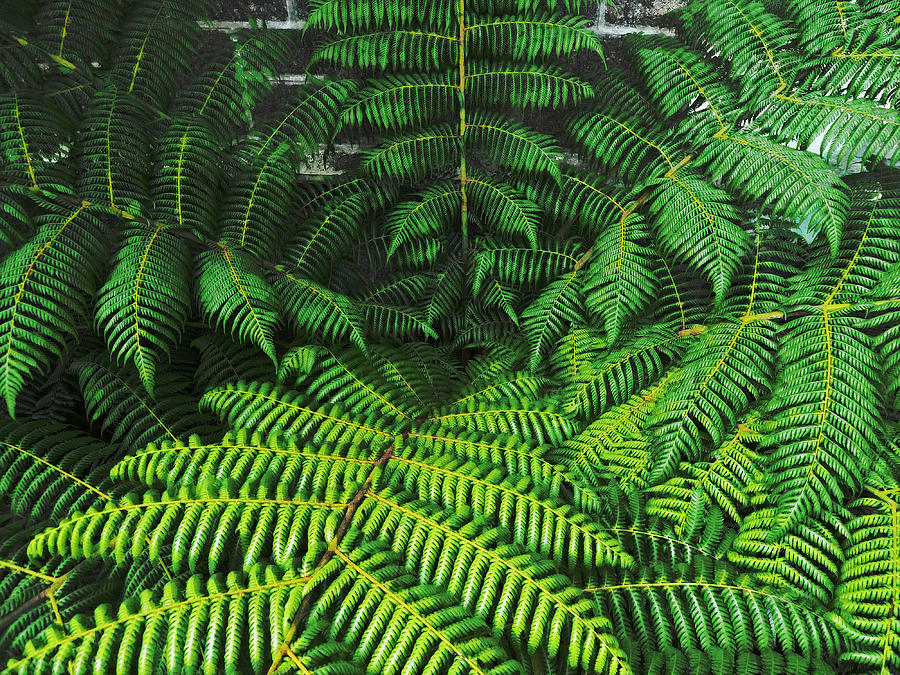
(612, 21)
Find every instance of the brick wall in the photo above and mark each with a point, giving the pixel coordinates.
(612, 21)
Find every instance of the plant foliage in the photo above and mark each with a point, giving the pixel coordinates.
(575, 367)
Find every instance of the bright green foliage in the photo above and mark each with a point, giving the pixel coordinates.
(558, 373)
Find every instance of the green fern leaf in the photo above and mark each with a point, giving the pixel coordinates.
(869, 576)
(597, 379)
(426, 215)
(51, 469)
(116, 400)
(413, 156)
(232, 292)
(199, 527)
(555, 309)
(533, 36)
(807, 560)
(402, 100)
(267, 408)
(386, 49)
(513, 146)
(313, 308)
(704, 607)
(45, 288)
(142, 308)
(523, 418)
(112, 145)
(848, 130)
(158, 39)
(793, 183)
(620, 280)
(723, 372)
(525, 86)
(238, 617)
(708, 235)
(503, 208)
(33, 140)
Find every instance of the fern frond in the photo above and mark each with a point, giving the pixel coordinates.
(523, 509)
(525, 86)
(233, 79)
(312, 308)
(233, 293)
(824, 26)
(418, 367)
(15, 221)
(77, 32)
(708, 236)
(378, 598)
(309, 119)
(512, 590)
(398, 49)
(888, 346)
(51, 469)
(426, 215)
(849, 130)
(515, 385)
(515, 454)
(519, 265)
(726, 369)
(866, 71)
(208, 114)
(402, 100)
(620, 280)
(727, 480)
(824, 406)
(619, 145)
(45, 288)
(117, 402)
(684, 296)
(328, 233)
(678, 79)
(580, 198)
(267, 408)
(869, 576)
(705, 607)
(557, 307)
(185, 182)
(349, 17)
(596, 382)
(513, 146)
(259, 197)
(807, 560)
(869, 247)
(35, 133)
(523, 418)
(157, 41)
(142, 307)
(413, 156)
(398, 322)
(349, 378)
(503, 208)
(201, 527)
(172, 465)
(112, 144)
(229, 622)
(752, 42)
(528, 38)
(831, 358)
(615, 444)
(792, 183)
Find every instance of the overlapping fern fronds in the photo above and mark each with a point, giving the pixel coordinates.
(616, 393)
